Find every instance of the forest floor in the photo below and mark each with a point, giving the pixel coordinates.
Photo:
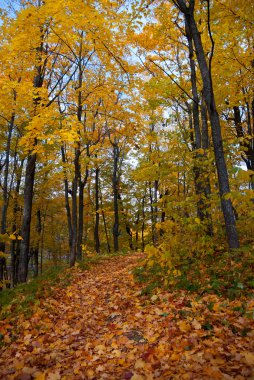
(102, 326)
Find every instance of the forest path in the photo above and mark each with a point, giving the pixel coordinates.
(101, 327)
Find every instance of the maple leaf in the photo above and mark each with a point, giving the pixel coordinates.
(196, 324)
(184, 326)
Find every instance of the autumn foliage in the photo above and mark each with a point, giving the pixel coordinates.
(128, 126)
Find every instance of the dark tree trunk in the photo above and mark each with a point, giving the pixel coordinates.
(66, 196)
(127, 224)
(74, 215)
(195, 97)
(115, 183)
(29, 179)
(223, 180)
(206, 179)
(136, 230)
(143, 222)
(246, 144)
(80, 220)
(97, 215)
(15, 244)
(42, 241)
(153, 193)
(104, 222)
(37, 246)
(3, 271)
(200, 178)
(27, 215)
(163, 212)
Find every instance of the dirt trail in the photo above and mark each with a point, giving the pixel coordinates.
(101, 327)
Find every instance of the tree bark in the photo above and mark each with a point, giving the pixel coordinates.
(207, 185)
(248, 145)
(115, 183)
(127, 224)
(66, 196)
(143, 222)
(3, 271)
(80, 220)
(104, 222)
(27, 216)
(74, 215)
(97, 215)
(223, 180)
(29, 179)
(15, 244)
(37, 246)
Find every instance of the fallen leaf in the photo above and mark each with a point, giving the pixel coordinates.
(196, 324)
(139, 364)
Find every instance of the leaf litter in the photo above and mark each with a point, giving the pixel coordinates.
(101, 326)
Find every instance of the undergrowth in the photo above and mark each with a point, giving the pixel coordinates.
(24, 296)
(221, 272)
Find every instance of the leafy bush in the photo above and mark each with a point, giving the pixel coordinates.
(228, 273)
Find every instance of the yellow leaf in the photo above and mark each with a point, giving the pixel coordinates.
(90, 373)
(39, 376)
(175, 356)
(216, 307)
(18, 364)
(249, 357)
(140, 364)
(117, 353)
(76, 370)
(150, 263)
(3, 254)
(184, 326)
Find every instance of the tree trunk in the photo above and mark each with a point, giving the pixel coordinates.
(104, 222)
(73, 254)
(115, 182)
(80, 220)
(136, 229)
(97, 215)
(27, 215)
(66, 196)
(29, 180)
(127, 224)
(163, 212)
(3, 272)
(154, 209)
(143, 222)
(37, 246)
(207, 185)
(223, 180)
(15, 244)
(200, 178)
(246, 144)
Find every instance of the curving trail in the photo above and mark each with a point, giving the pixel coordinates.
(101, 327)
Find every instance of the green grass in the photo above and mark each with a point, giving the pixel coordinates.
(24, 296)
